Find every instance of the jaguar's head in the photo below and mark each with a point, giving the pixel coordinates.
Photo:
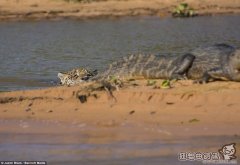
(76, 76)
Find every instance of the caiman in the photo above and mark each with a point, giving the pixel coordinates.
(217, 62)
(203, 64)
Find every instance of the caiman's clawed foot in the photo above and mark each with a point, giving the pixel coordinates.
(201, 81)
(178, 77)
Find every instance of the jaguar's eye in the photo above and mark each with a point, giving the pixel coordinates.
(84, 78)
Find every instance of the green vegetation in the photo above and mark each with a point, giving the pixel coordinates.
(165, 84)
(183, 10)
(113, 79)
(193, 120)
(151, 82)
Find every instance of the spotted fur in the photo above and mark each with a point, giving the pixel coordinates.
(76, 76)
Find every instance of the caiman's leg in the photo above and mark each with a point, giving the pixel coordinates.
(183, 66)
(205, 79)
(213, 74)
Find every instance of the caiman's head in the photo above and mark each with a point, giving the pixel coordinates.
(235, 62)
(76, 76)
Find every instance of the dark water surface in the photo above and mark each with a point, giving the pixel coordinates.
(32, 53)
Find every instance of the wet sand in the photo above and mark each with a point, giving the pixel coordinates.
(57, 9)
(210, 109)
(155, 124)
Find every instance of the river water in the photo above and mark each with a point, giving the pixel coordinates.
(32, 53)
(60, 143)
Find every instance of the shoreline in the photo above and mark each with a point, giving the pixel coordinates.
(49, 9)
(187, 117)
(201, 110)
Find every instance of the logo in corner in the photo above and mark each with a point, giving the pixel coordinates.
(228, 151)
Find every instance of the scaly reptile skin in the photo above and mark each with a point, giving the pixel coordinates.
(149, 67)
(217, 62)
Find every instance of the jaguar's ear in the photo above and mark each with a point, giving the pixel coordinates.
(61, 76)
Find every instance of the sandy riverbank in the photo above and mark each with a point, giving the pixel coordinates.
(142, 124)
(210, 109)
(56, 9)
